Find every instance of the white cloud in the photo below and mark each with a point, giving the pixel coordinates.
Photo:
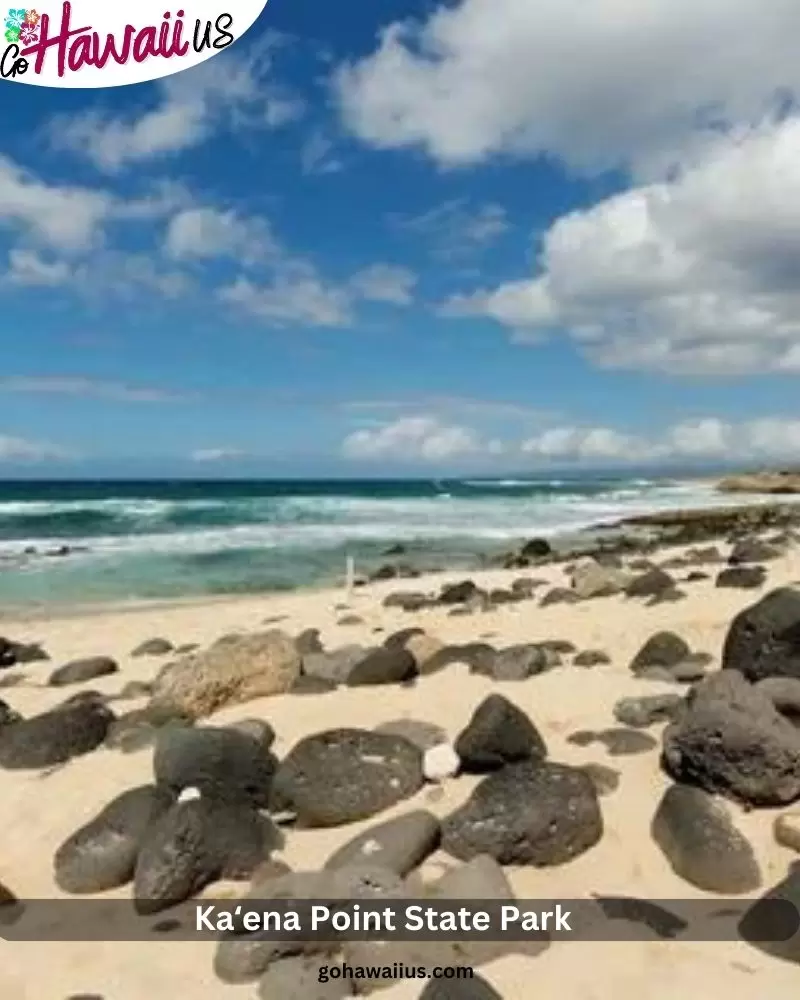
(420, 438)
(710, 438)
(600, 84)
(216, 454)
(457, 228)
(296, 296)
(78, 385)
(699, 275)
(203, 232)
(63, 217)
(385, 283)
(27, 267)
(316, 158)
(16, 449)
(227, 91)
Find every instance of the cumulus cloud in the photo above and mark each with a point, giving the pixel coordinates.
(418, 438)
(696, 275)
(223, 92)
(610, 83)
(63, 217)
(29, 268)
(385, 283)
(216, 454)
(297, 296)
(205, 232)
(16, 449)
(710, 439)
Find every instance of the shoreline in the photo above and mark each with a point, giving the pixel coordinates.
(601, 536)
(45, 807)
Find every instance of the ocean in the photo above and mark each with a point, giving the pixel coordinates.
(162, 540)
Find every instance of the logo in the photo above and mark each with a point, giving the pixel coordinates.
(90, 43)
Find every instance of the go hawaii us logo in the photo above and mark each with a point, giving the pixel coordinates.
(89, 43)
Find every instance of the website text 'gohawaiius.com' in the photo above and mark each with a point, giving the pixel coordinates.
(329, 973)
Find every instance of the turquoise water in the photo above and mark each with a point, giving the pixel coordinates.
(152, 540)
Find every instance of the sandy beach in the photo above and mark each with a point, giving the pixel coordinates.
(42, 808)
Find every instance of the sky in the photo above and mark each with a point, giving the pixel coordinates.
(413, 238)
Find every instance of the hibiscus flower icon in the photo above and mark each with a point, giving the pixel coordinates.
(33, 17)
(15, 19)
(28, 34)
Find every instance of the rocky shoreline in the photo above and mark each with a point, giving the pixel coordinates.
(482, 737)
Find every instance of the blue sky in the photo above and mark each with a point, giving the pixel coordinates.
(385, 238)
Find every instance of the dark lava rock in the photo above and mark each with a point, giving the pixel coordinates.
(458, 593)
(475, 988)
(344, 775)
(153, 647)
(626, 742)
(772, 923)
(618, 742)
(422, 734)
(591, 658)
(242, 958)
(102, 854)
(530, 813)
(696, 576)
(400, 845)
(480, 657)
(671, 596)
(559, 595)
(763, 640)
(701, 843)
(518, 663)
(384, 665)
(536, 548)
(784, 693)
(335, 666)
(257, 729)
(742, 577)
(195, 843)
(752, 550)
(525, 586)
(498, 733)
(54, 737)
(303, 977)
(643, 712)
(19, 653)
(558, 646)
(651, 583)
(135, 689)
(401, 637)
(407, 600)
(79, 671)
(138, 729)
(664, 649)
(731, 739)
(223, 764)
(605, 779)
(8, 715)
(309, 642)
(306, 684)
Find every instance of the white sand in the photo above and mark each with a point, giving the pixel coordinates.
(39, 811)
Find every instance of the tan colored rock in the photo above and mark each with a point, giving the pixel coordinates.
(787, 830)
(779, 481)
(423, 648)
(233, 670)
(590, 579)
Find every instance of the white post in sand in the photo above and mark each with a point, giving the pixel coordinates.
(350, 576)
